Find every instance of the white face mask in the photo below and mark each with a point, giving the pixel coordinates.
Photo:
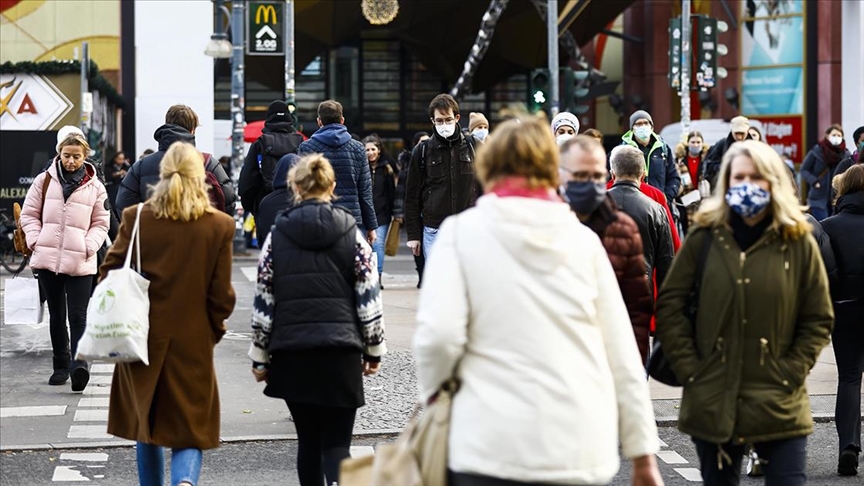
(563, 138)
(481, 133)
(446, 131)
(642, 132)
(835, 140)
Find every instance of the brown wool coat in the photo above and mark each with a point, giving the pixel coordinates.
(174, 402)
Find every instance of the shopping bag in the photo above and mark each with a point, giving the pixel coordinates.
(118, 316)
(391, 243)
(21, 301)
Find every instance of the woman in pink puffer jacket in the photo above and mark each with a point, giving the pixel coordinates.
(64, 231)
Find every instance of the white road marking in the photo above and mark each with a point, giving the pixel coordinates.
(91, 416)
(92, 401)
(98, 476)
(67, 473)
(251, 273)
(84, 456)
(689, 473)
(43, 411)
(662, 444)
(102, 368)
(88, 432)
(360, 451)
(671, 457)
(100, 380)
(97, 390)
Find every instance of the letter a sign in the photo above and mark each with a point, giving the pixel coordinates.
(264, 29)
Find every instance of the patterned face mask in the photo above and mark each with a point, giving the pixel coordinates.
(747, 199)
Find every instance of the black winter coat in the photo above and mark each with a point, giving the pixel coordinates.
(446, 187)
(135, 187)
(251, 185)
(845, 229)
(353, 177)
(653, 225)
(313, 248)
(384, 193)
(815, 170)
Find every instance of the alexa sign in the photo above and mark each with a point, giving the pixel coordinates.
(30, 102)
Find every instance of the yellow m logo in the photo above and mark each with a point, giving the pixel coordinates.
(266, 11)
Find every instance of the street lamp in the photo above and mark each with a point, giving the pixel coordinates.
(219, 47)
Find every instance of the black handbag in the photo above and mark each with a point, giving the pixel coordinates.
(659, 367)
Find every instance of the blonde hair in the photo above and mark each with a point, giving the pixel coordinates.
(312, 177)
(520, 147)
(74, 139)
(789, 219)
(181, 193)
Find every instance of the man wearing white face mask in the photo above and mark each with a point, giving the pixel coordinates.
(820, 167)
(441, 179)
(660, 169)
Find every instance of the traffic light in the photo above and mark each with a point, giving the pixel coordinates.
(574, 90)
(538, 91)
(706, 72)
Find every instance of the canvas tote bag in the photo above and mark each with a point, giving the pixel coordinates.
(118, 316)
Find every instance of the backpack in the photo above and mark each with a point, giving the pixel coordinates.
(217, 196)
(19, 240)
(275, 145)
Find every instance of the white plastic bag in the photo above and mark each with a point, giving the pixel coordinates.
(118, 316)
(21, 301)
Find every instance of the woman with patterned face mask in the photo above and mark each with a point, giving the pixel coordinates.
(745, 358)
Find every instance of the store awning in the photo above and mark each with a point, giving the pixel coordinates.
(441, 33)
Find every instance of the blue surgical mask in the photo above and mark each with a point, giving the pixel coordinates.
(694, 150)
(585, 196)
(481, 133)
(861, 147)
(642, 132)
(747, 199)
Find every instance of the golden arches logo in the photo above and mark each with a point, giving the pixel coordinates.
(268, 12)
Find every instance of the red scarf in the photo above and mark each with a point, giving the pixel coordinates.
(516, 186)
(832, 154)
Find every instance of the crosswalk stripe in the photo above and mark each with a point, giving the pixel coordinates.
(689, 473)
(671, 457)
(360, 451)
(84, 456)
(100, 380)
(251, 273)
(662, 444)
(88, 432)
(68, 473)
(102, 368)
(97, 390)
(92, 401)
(91, 416)
(42, 411)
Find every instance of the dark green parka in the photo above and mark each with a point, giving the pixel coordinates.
(764, 315)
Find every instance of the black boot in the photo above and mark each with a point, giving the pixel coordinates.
(61, 371)
(848, 463)
(80, 375)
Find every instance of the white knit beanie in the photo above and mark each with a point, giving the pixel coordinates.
(65, 132)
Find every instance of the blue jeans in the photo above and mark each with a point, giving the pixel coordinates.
(185, 465)
(378, 247)
(429, 235)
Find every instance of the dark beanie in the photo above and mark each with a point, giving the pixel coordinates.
(278, 112)
(857, 134)
(638, 115)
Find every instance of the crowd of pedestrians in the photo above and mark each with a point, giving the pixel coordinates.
(525, 222)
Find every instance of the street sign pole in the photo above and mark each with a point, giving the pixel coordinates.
(238, 104)
(552, 48)
(684, 88)
(289, 51)
(85, 108)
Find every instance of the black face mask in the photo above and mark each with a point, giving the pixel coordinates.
(585, 196)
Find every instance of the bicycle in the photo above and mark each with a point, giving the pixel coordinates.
(11, 259)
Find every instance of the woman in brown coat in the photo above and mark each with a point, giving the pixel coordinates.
(186, 255)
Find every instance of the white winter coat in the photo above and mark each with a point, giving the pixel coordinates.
(551, 375)
(65, 234)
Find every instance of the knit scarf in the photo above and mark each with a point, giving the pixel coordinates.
(833, 155)
(516, 186)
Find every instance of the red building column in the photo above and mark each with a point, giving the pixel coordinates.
(828, 64)
(645, 66)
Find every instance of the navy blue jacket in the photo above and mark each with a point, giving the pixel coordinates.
(353, 177)
(277, 201)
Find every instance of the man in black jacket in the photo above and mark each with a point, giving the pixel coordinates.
(441, 178)
(628, 169)
(711, 165)
(180, 124)
(278, 138)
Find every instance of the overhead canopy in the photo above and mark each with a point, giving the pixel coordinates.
(441, 33)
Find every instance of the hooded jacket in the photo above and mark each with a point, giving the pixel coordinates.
(816, 170)
(278, 138)
(845, 229)
(353, 177)
(446, 187)
(65, 234)
(764, 316)
(277, 201)
(538, 334)
(136, 185)
(660, 168)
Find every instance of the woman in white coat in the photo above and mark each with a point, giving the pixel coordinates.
(521, 301)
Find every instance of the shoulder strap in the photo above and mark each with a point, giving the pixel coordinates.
(45, 185)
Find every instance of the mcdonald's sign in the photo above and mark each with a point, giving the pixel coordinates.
(265, 29)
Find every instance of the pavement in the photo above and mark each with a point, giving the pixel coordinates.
(36, 416)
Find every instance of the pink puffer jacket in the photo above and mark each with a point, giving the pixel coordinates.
(65, 235)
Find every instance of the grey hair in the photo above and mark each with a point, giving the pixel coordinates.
(627, 162)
